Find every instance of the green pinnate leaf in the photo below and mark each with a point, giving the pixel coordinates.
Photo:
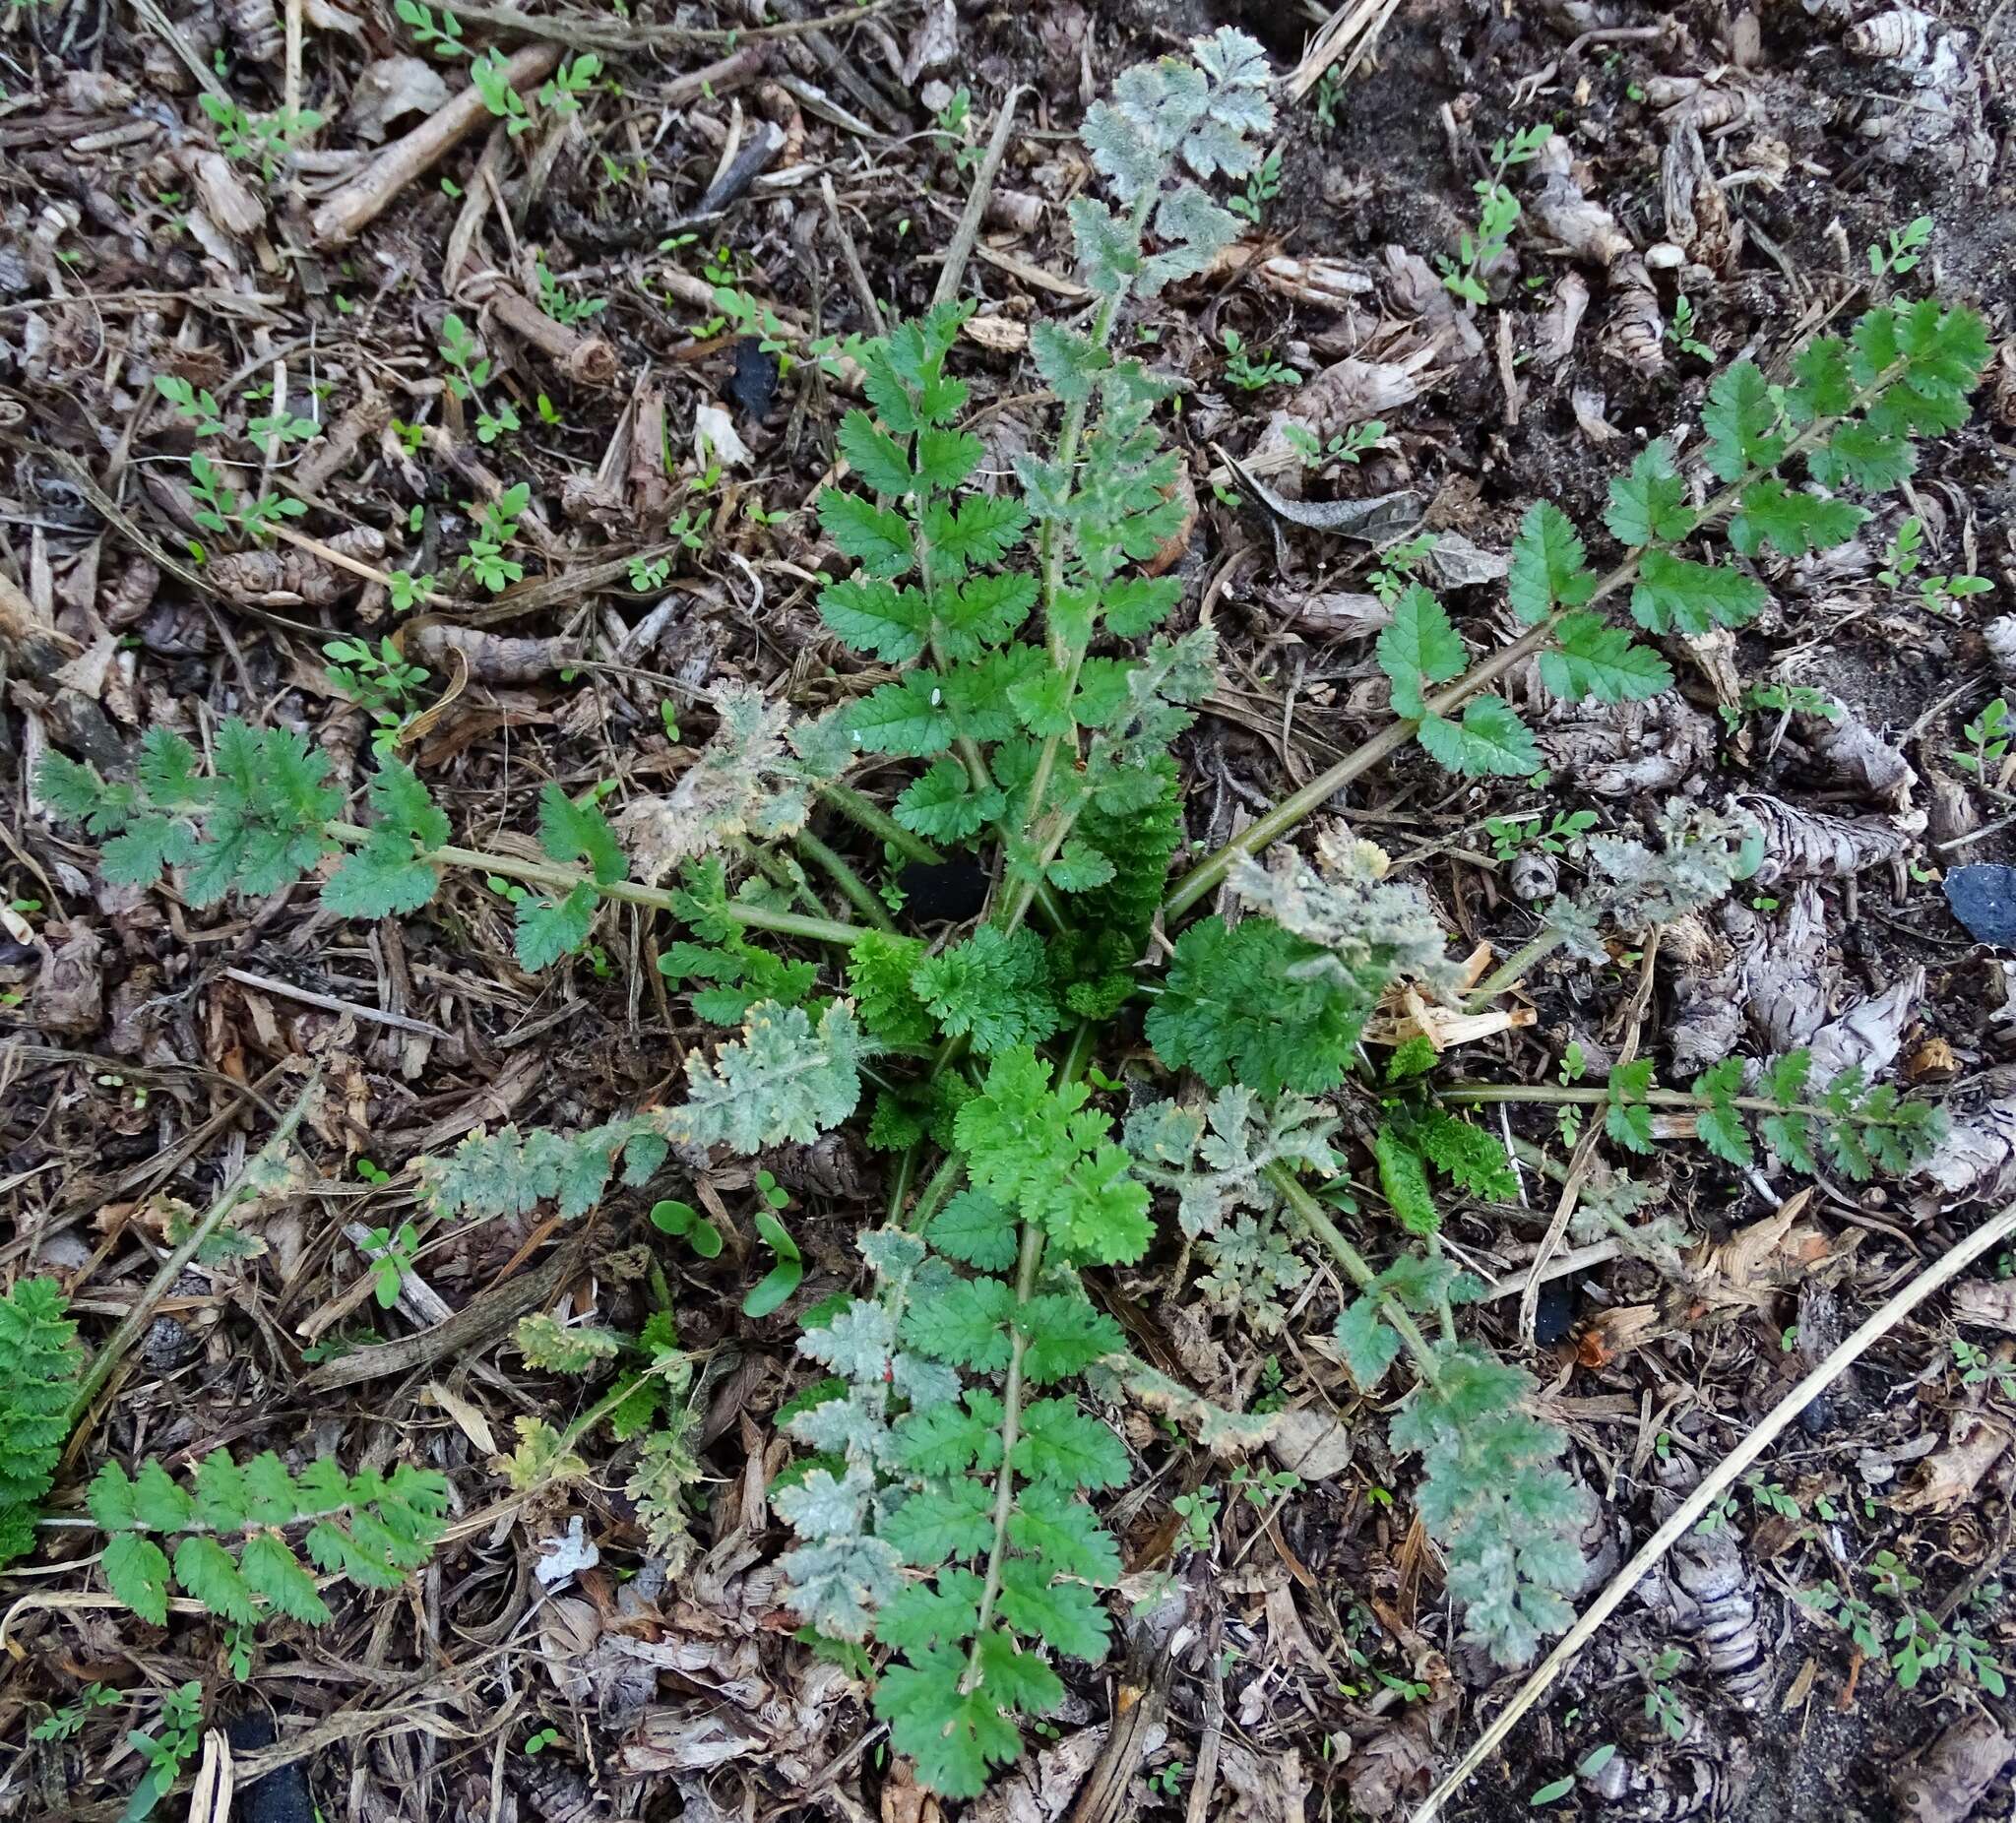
(942, 803)
(571, 831)
(272, 1570)
(982, 612)
(1061, 1444)
(956, 1520)
(1591, 658)
(1066, 1616)
(1823, 385)
(981, 531)
(876, 538)
(1368, 1343)
(1054, 1524)
(1064, 1336)
(875, 457)
(945, 1610)
(1070, 363)
(1418, 645)
(956, 1736)
(137, 1572)
(1549, 567)
(548, 929)
(946, 458)
(1489, 738)
(1404, 1182)
(966, 1324)
(1648, 505)
(209, 1574)
(910, 718)
(1677, 595)
(1790, 522)
(886, 620)
(1740, 419)
(952, 1439)
(994, 988)
(1719, 1123)
(1861, 455)
(1627, 1120)
(159, 1502)
(387, 877)
(1079, 867)
(974, 1229)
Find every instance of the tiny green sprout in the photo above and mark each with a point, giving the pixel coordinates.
(575, 78)
(648, 573)
(549, 412)
(1510, 835)
(410, 437)
(953, 125)
(1243, 370)
(1553, 1791)
(1574, 1063)
(1478, 250)
(392, 1258)
(557, 304)
(1196, 1519)
(279, 428)
(442, 36)
(1329, 100)
(1900, 248)
(1262, 187)
(1346, 448)
(372, 1172)
(685, 1222)
(1681, 331)
(488, 71)
(772, 1192)
(1988, 734)
(783, 1279)
(1167, 1780)
(669, 716)
(1773, 1498)
(196, 407)
(1396, 564)
(545, 1738)
(66, 1721)
(1789, 1338)
(408, 591)
(1978, 1367)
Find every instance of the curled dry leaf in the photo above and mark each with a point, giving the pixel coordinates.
(1810, 845)
(1346, 393)
(1393, 1770)
(1976, 1163)
(225, 197)
(1854, 753)
(1697, 213)
(1635, 334)
(2000, 637)
(1587, 229)
(1950, 811)
(1987, 1303)
(70, 991)
(1561, 320)
(1327, 283)
(1948, 1784)
(1952, 1472)
(492, 658)
(1588, 405)
(1707, 1590)
(1869, 1035)
(1787, 976)
(1312, 1442)
(289, 576)
(1620, 749)
(390, 88)
(1335, 613)
(1269, 1787)
(1903, 35)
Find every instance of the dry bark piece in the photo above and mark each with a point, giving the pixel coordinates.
(1311, 1442)
(1869, 1035)
(1950, 811)
(372, 191)
(1620, 749)
(1635, 334)
(1810, 845)
(1854, 753)
(1327, 283)
(1346, 393)
(288, 576)
(584, 360)
(1987, 1303)
(1976, 1163)
(1707, 1588)
(1950, 1780)
(1338, 612)
(1697, 213)
(1587, 229)
(69, 994)
(1952, 1472)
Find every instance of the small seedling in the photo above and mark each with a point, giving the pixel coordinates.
(953, 127)
(1898, 253)
(687, 1224)
(392, 1258)
(1681, 331)
(649, 573)
(1662, 1705)
(1347, 448)
(1978, 1367)
(1243, 368)
(1196, 1519)
(443, 36)
(1262, 187)
(68, 1721)
(496, 526)
(563, 89)
(199, 409)
(1987, 735)
(1510, 835)
(545, 1738)
(556, 304)
(1478, 250)
(488, 71)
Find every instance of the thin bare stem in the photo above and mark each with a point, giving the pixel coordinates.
(1011, 1432)
(857, 891)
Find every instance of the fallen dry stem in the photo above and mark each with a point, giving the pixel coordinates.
(1714, 1485)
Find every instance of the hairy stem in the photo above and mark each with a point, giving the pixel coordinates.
(862, 809)
(857, 891)
(1205, 877)
(1309, 1213)
(1508, 971)
(136, 1320)
(1011, 1430)
(566, 879)
(937, 1191)
(1558, 1095)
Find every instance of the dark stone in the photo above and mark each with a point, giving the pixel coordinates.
(281, 1796)
(754, 384)
(1554, 1314)
(1983, 899)
(949, 893)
